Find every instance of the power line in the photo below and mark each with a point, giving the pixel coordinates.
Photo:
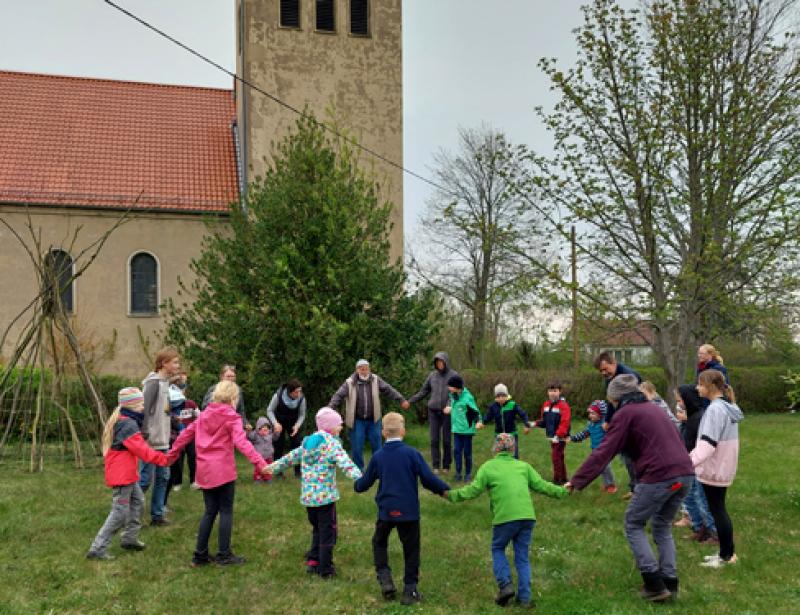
(274, 98)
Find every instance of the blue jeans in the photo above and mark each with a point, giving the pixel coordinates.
(697, 507)
(521, 533)
(159, 488)
(462, 444)
(362, 429)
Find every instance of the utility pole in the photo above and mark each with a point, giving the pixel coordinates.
(574, 260)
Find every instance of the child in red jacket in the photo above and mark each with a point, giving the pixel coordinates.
(122, 445)
(555, 419)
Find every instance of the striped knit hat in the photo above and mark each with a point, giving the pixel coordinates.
(130, 397)
(503, 442)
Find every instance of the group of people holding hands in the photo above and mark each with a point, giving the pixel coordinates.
(665, 464)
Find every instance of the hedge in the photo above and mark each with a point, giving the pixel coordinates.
(758, 389)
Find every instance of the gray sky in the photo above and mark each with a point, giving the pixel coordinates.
(465, 61)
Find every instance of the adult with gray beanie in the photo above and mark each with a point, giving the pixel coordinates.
(435, 388)
(362, 395)
(641, 430)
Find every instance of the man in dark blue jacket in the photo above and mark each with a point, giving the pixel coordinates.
(398, 467)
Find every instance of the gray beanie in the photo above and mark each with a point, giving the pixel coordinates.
(621, 386)
(500, 389)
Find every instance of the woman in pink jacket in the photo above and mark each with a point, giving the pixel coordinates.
(715, 457)
(215, 433)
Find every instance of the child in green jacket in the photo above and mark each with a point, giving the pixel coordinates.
(464, 417)
(508, 481)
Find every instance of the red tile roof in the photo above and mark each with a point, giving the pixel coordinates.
(72, 141)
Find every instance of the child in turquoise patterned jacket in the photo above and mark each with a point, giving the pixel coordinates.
(319, 454)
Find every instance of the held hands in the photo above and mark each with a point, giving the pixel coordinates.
(405, 405)
(526, 430)
(570, 488)
(478, 425)
(294, 431)
(555, 440)
(266, 471)
(278, 427)
(605, 426)
(446, 410)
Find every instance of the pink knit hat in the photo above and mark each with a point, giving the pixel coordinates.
(328, 419)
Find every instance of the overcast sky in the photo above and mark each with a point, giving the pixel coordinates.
(465, 62)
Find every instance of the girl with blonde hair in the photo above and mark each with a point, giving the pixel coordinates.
(216, 432)
(123, 445)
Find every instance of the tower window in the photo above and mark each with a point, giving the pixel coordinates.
(290, 13)
(326, 16)
(359, 17)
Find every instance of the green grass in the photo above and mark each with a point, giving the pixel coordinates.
(581, 562)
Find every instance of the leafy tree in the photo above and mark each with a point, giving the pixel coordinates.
(677, 153)
(299, 283)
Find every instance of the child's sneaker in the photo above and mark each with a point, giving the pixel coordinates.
(715, 561)
(505, 594)
(388, 589)
(201, 560)
(312, 566)
(229, 559)
(410, 595)
(176, 488)
(654, 588)
(101, 555)
(134, 546)
(612, 489)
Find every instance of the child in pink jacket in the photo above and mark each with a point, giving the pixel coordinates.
(215, 433)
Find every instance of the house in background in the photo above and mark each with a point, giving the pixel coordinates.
(76, 153)
(631, 345)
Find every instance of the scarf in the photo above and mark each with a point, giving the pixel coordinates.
(136, 416)
(290, 403)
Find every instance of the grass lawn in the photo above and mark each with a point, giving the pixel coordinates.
(581, 562)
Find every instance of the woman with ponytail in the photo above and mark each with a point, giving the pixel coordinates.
(708, 357)
(122, 445)
(715, 457)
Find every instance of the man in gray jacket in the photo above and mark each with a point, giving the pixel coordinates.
(361, 393)
(435, 386)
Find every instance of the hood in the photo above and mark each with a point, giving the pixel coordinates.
(313, 444)
(152, 376)
(444, 357)
(262, 421)
(691, 399)
(216, 416)
(734, 412)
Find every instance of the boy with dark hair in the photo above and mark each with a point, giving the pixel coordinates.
(555, 420)
(398, 467)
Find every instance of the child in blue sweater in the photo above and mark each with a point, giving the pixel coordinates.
(398, 467)
(595, 432)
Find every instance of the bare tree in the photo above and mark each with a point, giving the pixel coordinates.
(471, 237)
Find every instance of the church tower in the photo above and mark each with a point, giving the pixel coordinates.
(340, 54)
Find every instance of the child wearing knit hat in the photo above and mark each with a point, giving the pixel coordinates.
(319, 454)
(508, 482)
(123, 446)
(505, 411)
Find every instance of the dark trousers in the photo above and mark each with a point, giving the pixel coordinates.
(463, 447)
(408, 532)
(439, 425)
(323, 537)
(218, 500)
(284, 438)
(559, 465)
(716, 504)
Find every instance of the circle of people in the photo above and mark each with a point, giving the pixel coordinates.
(685, 460)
